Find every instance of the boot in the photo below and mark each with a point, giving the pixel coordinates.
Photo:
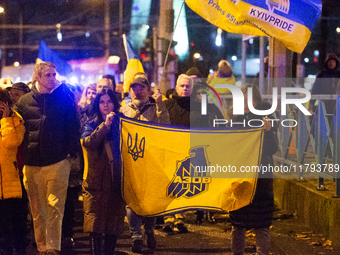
(109, 244)
(95, 243)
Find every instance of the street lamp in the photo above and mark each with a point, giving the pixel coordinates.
(2, 10)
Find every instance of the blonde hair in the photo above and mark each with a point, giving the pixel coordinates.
(39, 68)
(224, 68)
(83, 100)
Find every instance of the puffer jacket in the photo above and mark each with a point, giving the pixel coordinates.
(52, 126)
(12, 132)
(155, 113)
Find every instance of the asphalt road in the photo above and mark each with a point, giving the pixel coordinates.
(288, 238)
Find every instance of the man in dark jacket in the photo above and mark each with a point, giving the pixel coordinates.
(326, 82)
(179, 105)
(51, 139)
(143, 107)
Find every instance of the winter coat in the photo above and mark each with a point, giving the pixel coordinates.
(12, 132)
(52, 126)
(326, 83)
(154, 113)
(259, 213)
(197, 119)
(179, 110)
(226, 81)
(104, 208)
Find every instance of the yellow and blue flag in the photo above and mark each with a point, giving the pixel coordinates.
(46, 54)
(133, 66)
(167, 169)
(290, 21)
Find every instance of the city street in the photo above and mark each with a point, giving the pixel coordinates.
(288, 238)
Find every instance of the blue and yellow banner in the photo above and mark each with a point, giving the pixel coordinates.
(290, 21)
(167, 169)
(133, 66)
(46, 54)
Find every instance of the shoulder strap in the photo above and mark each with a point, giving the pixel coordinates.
(139, 113)
(110, 156)
(109, 152)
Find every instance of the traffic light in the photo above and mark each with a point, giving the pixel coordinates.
(165, 46)
(142, 52)
(148, 50)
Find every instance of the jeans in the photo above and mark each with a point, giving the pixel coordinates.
(135, 223)
(46, 189)
(262, 240)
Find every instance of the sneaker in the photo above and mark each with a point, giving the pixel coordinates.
(151, 241)
(137, 246)
(168, 228)
(52, 252)
(181, 228)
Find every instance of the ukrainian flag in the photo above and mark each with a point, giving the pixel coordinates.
(290, 21)
(134, 65)
(46, 54)
(167, 169)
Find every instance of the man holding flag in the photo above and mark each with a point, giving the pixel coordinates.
(143, 107)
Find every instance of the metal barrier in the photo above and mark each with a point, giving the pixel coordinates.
(316, 142)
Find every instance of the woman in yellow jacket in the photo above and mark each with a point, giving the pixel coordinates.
(11, 135)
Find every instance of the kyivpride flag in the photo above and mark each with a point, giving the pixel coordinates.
(290, 21)
(167, 169)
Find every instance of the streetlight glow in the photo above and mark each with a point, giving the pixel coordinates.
(16, 63)
(2, 10)
(197, 55)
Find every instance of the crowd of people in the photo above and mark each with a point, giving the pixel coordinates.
(59, 141)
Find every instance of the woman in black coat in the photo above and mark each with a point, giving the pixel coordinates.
(104, 208)
(257, 215)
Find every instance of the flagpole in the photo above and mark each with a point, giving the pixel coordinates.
(124, 42)
(172, 38)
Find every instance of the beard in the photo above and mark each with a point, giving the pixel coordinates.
(138, 102)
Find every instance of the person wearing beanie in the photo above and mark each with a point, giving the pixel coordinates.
(18, 90)
(224, 75)
(194, 71)
(326, 82)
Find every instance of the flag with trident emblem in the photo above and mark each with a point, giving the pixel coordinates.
(167, 169)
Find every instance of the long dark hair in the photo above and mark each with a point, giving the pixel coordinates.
(96, 111)
(6, 98)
